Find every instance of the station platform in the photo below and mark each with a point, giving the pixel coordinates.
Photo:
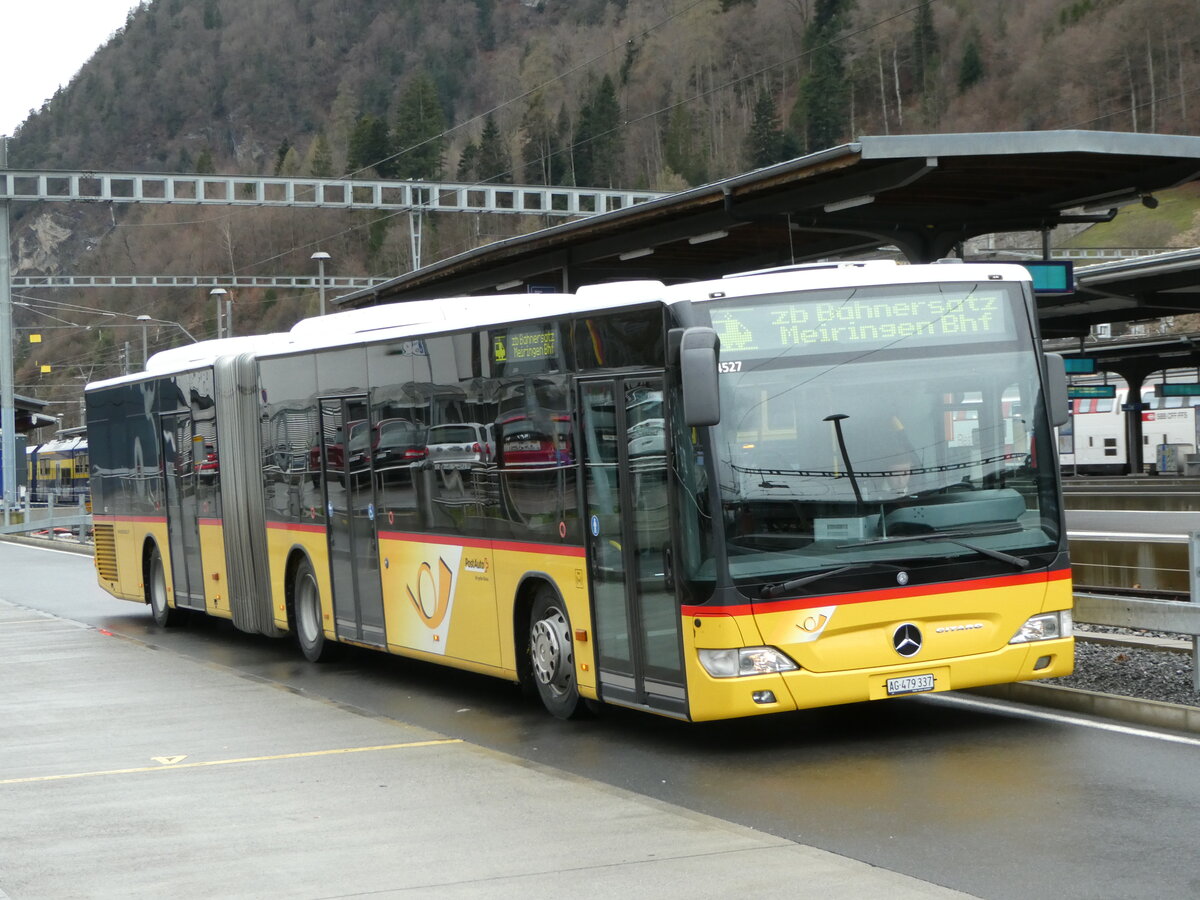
(126, 771)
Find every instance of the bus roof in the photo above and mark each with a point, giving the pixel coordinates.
(413, 318)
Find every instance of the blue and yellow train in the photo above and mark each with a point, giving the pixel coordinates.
(58, 469)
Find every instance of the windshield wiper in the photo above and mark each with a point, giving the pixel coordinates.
(951, 537)
(786, 587)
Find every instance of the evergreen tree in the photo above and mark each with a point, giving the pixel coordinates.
(540, 146)
(495, 163)
(289, 166)
(369, 148)
(320, 157)
(681, 151)
(487, 28)
(597, 141)
(419, 135)
(764, 143)
(284, 146)
(925, 46)
(822, 103)
(468, 163)
(204, 163)
(970, 70)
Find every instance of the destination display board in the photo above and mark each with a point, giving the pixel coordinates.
(1092, 391)
(1177, 389)
(980, 314)
(1052, 276)
(1080, 365)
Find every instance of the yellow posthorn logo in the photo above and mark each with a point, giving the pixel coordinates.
(432, 617)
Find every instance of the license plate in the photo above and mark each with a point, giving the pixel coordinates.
(909, 684)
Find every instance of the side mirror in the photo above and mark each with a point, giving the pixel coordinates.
(699, 350)
(1056, 390)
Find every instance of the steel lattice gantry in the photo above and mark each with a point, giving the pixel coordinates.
(238, 190)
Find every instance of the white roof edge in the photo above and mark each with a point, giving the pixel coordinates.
(413, 318)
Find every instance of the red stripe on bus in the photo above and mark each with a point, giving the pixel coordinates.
(211, 522)
(161, 518)
(948, 587)
(482, 543)
(297, 526)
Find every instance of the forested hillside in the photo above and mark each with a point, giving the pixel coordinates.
(655, 94)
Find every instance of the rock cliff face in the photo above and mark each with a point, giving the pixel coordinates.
(39, 245)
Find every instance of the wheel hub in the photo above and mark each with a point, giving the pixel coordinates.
(549, 640)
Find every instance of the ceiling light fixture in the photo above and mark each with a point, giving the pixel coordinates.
(849, 203)
(710, 236)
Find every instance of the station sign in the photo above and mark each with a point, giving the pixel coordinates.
(1080, 365)
(1177, 389)
(1092, 391)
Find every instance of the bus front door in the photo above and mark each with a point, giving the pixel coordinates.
(346, 471)
(183, 511)
(628, 532)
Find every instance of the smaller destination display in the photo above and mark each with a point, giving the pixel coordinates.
(1052, 276)
(531, 344)
(1080, 365)
(1177, 389)
(1092, 391)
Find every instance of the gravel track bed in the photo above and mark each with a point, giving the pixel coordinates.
(1144, 673)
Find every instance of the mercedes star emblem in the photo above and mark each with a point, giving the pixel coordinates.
(907, 639)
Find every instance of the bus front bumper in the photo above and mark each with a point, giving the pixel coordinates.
(722, 698)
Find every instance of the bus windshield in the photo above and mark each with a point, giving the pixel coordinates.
(880, 424)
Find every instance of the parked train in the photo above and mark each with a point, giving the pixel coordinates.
(58, 468)
(1094, 441)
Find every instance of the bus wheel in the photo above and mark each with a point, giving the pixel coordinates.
(553, 656)
(165, 616)
(310, 635)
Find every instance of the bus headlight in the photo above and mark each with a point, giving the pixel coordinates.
(1045, 627)
(738, 661)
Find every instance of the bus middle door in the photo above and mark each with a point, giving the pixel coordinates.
(346, 471)
(628, 532)
(183, 522)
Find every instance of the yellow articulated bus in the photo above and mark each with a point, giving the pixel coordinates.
(777, 490)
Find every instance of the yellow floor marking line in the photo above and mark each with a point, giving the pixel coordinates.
(230, 762)
(44, 621)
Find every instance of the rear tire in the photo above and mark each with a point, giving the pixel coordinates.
(306, 598)
(165, 615)
(552, 656)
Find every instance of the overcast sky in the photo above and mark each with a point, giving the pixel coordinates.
(46, 43)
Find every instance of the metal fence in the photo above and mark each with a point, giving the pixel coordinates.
(35, 517)
(1178, 617)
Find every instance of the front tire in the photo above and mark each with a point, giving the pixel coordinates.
(552, 656)
(165, 615)
(310, 633)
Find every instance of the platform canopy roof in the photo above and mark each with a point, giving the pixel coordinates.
(1147, 287)
(30, 414)
(923, 194)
